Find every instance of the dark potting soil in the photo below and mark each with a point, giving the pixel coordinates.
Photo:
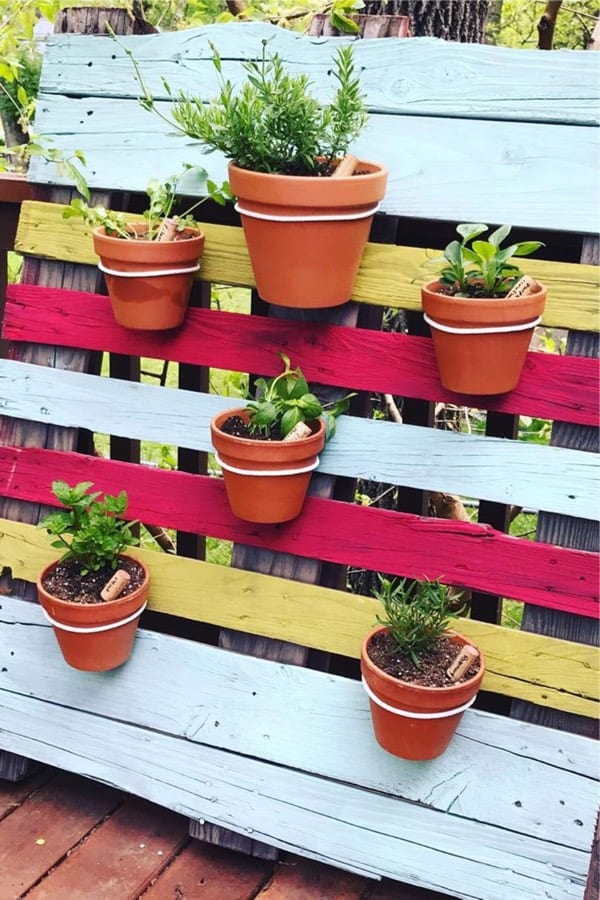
(236, 426)
(434, 662)
(474, 291)
(67, 583)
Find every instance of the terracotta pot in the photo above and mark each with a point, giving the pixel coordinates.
(481, 363)
(256, 490)
(413, 737)
(95, 651)
(297, 261)
(141, 300)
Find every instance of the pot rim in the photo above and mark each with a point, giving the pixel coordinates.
(106, 604)
(432, 286)
(242, 411)
(379, 170)
(431, 691)
(100, 232)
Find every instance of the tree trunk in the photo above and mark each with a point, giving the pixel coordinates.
(547, 24)
(453, 20)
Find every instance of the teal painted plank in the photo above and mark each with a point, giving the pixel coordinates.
(362, 830)
(550, 478)
(510, 168)
(252, 707)
(421, 76)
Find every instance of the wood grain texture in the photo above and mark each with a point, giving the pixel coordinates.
(509, 163)
(551, 478)
(423, 76)
(553, 387)
(461, 553)
(33, 839)
(545, 671)
(388, 275)
(234, 790)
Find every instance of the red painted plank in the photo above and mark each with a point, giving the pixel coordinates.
(121, 858)
(461, 553)
(40, 832)
(552, 387)
(13, 794)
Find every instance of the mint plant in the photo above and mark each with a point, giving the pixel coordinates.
(162, 196)
(272, 123)
(416, 613)
(285, 400)
(89, 530)
(474, 267)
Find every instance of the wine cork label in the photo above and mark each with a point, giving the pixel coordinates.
(299, 431)
(346, 166)
(167, 230)
(462, 662)
(117, 584)
(522, 288)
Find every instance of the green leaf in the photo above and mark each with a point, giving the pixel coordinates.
(525, 248)
(470, 230)
(484, 250)
(497, 236)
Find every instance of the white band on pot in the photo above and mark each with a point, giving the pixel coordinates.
(342, 217)
(496, 329)
(149, 273)
(95, 628)
(269, 473)
(415, 715)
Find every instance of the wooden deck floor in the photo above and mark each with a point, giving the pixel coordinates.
(63, 837)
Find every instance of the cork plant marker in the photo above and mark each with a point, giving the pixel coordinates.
(115, 587)
(462, 662)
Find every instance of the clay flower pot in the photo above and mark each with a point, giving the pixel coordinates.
(306, 234)
(149, 282)
(94, 637)
(481, 343)
(410, 720)
(266, 481)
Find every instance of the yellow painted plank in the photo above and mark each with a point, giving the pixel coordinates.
(546, 671)
(386, 277)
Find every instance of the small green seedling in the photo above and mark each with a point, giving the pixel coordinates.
(416, 613)
(162, 196)
(90, 530)
(485, 268)
(285, 400)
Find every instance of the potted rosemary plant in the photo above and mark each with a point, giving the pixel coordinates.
(268, 449)
(149, 266)
(94, 595)
(419, 676)
(306, 204)
(482, 311)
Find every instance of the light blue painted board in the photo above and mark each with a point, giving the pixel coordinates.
(363, 831)
(551, 478)
(480, 171)
(187, 688)
(421, 76)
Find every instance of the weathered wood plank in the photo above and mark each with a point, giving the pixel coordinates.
(336, 532)
(551, 386)
(386, 276)
(236, 791)
(125, 854)
(424, 76)
(551, 478)
(250, 707)
(545, 671)
(35, 837)
(509, 167)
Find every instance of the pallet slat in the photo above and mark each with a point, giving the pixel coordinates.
(551, 478)
(356, 829)
(386, 276)
(545, 671)
(554, 387)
